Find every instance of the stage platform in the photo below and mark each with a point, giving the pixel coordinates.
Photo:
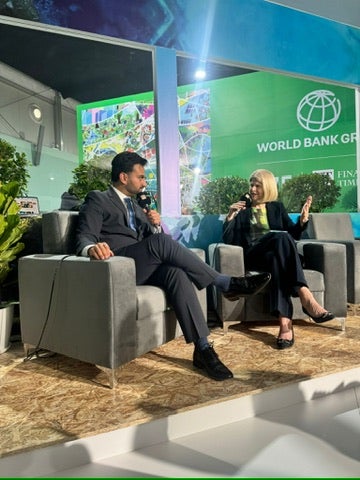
(49, 404)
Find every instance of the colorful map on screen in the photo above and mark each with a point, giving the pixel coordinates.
(128, 123)
(112, 126)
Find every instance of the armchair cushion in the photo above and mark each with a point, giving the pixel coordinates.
(330, 226)
(59, 230)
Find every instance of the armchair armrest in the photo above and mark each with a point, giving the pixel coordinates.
(79, 307)
(352, 269)
(228, 260)
(330, 259)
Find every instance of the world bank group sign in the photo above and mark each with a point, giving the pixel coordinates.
(291, 126)
(317, 111)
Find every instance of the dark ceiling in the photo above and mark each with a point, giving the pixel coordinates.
(88, 70)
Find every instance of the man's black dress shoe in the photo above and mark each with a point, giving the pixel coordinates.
(248, 285)
(208, 360)
(324, 317)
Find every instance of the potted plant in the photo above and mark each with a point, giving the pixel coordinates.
(12, 228)
(216, 196)
(13, 166)
(90, 175)
(321, 186)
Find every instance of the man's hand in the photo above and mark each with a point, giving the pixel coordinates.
(153, 217)
(100, 251)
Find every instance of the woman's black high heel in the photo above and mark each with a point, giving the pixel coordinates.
(324, 317)
(282, 343)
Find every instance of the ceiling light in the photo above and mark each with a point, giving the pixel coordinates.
(35, 113)
(200, 74)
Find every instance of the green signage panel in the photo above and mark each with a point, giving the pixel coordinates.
(287, 125)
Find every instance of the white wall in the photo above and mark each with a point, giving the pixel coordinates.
(17, 93)
(52, 176)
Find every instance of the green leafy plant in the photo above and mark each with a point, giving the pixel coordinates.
(13, 166)
(322, 187)
(12, 228)
(349, 200)
(89, 176)
(216, 197)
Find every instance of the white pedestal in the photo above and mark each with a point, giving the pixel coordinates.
(6, 321)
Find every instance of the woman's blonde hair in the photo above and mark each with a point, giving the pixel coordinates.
(268, 182)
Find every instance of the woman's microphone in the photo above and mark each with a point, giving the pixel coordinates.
(247, 199)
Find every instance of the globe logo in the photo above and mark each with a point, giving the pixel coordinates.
(318, 110)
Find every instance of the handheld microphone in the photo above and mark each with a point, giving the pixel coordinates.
(144, 200)
(247, 199)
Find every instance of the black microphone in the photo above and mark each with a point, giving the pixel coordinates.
(144, 200)
(247, 199)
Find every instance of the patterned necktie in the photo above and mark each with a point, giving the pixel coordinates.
(130, 208)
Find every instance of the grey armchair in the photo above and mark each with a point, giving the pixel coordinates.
(325, 272)
(90, 310)
(337, 227)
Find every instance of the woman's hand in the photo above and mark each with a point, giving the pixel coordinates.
(304, 215)
(234, 209)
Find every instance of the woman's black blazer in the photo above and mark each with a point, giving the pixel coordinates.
(237, 231)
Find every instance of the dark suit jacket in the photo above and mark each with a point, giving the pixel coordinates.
(103, 218)
(237, 232)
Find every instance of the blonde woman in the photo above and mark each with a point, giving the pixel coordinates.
(261, 225)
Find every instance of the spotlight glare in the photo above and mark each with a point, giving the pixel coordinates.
(200, 74)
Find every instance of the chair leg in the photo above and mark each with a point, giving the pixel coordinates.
(110, 373)
(342, 323)
(27, 348)
(226, 325)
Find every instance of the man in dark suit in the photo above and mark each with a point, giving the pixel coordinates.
(110, 223)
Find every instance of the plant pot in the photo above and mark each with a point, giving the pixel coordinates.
(6, 321)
